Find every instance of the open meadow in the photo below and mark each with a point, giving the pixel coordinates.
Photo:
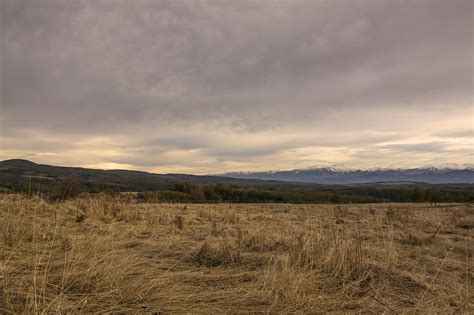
(101, 254)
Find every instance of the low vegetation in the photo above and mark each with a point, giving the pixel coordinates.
(59, 183)
(104, 254)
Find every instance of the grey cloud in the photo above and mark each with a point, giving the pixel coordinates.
(430, 147)
(468, 134)
(121, 62)
(122, 68)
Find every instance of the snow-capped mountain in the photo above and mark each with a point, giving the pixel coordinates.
(337, 175)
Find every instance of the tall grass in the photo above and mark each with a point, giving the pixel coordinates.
(100, 254)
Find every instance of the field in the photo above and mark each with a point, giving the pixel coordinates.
(96, 254)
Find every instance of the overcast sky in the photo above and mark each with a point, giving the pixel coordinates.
(213, 86)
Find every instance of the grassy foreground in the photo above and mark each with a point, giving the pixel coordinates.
(103, 255)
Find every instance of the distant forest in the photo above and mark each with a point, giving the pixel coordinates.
(59, 183)
(192, 192)
(234, 193)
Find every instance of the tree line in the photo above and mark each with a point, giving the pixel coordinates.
(70, 187)
(197, 192)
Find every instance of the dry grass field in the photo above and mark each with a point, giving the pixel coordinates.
(101, 254)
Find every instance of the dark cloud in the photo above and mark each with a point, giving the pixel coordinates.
(150, 71)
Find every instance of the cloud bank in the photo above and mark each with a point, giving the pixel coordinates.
(213, 86)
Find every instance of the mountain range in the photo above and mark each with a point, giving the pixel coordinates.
(335, 176)
(18, 174)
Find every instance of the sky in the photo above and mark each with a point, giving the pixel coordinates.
(207, 87)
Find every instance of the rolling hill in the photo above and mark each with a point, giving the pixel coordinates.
(301, 186)
(16, 174)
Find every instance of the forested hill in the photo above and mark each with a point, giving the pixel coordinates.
(17, 174)
(64, 182)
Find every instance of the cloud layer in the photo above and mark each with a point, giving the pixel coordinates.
(212, 86)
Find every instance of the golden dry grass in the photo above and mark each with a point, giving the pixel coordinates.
(102, 255)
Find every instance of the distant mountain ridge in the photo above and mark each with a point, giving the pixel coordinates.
(332, 175)
(15, 174)
(297, 186)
